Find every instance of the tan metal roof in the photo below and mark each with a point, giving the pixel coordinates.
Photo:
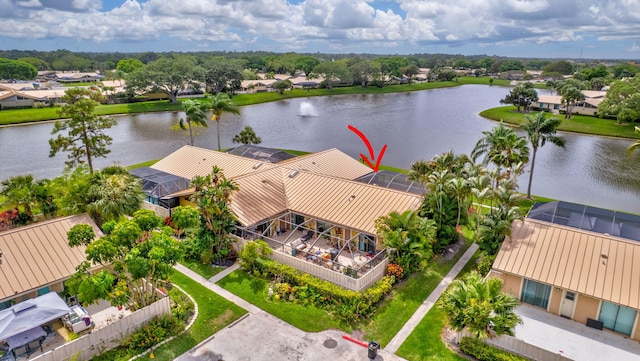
(594, 264)
(39, 254)
(188, 162)
(331, 162)
(339, 201)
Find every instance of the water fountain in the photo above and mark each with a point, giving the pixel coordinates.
(307, 110)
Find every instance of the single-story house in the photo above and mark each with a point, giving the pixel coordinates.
(36, 259)
(257, 86)
(577, 262)
(77, 77)
(312, 210)
(18, 99)
(553, 103)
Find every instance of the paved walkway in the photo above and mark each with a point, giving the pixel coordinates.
(572, 339)
(408, 327)
(260, 336)
(252, 337)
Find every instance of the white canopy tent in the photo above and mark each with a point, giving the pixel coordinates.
(31, 314)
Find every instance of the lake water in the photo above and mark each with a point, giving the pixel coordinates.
(591, 170)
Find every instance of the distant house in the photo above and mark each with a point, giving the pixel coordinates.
(577, 262)
(77, 77)
(257, 86)
(10, 98)
(37, 258)
(302, 82)
(553, 103)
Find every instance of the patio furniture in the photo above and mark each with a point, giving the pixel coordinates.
(25, 342)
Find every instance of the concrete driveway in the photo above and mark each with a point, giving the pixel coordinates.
(262, 337)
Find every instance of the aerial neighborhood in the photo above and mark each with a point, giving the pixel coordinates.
(289, 240)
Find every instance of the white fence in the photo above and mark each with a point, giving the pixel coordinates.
(519, 347)
(348, 282)
(160, 211)
(522, 348)
(108, 337)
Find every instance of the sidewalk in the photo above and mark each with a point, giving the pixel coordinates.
(262, 336)
(408, 327)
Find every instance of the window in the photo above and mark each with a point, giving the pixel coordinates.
(535, 293)
(43, 291)
(617, 318)
(366, 243)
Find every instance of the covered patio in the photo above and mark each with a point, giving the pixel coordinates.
(347, 252)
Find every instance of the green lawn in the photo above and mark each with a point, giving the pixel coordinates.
(203, 270)
(214, 314)
(577, 123)
(17, 116)
(425, 342)
(404, 300)
(483, 80)
(148, 163)
(254, 290)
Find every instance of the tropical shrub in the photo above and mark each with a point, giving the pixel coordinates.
(483, 352)
(158, 329)
(293, 285)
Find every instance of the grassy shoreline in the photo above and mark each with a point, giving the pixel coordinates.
(581, 124)
(31, 115)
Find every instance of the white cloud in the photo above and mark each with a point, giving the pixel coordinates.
(339, 24)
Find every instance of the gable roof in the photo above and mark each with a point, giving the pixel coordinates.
(597, 265)
(188, 162)
(331, 162)
(340, 201)
(39, 254)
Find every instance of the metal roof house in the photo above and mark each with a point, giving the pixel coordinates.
(37, 258)
(577, 262)
(311, 209)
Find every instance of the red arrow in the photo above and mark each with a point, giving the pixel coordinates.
(370, 148)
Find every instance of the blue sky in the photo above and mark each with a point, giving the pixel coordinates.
(607, 29)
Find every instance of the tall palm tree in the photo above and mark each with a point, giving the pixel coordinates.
(502, 147)
(194, 114)
(541, 130)
(635, 145)
(221, 103)
(479, 305)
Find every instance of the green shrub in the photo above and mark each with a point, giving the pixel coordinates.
(157, 330)
(296, 286)
(483, 352)
(181, 306)
(485, 262)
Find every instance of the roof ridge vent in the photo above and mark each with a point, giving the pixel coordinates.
(257, 165)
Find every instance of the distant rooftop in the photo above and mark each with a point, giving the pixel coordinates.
(604, 221)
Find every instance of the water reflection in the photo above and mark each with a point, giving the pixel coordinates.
(415, 126)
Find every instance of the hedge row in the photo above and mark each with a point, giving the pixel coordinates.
(346, 304)
(483, 352)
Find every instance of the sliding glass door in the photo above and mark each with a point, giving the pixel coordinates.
(535, 293)
(617, 318)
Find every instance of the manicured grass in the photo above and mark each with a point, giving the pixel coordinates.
(203, 270)
(577, 124)
(404, 300)
(483, 80)
(79, 83)
(17, 116)
(254, 290)
(148, 163)
(425, 342)
(214, 314)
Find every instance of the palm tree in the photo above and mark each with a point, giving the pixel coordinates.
(502, 147)
(114, 193)
(541, 130)
(193, 114)
(635, 145)
(221, 103)
(407, 237)
(479, 305)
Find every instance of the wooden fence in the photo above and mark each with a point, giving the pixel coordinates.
(107, 337)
